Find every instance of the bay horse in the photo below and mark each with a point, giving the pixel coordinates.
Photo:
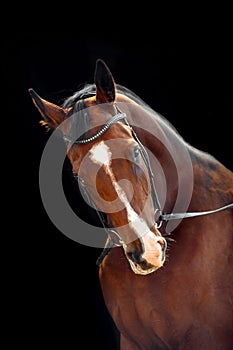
(166, 270)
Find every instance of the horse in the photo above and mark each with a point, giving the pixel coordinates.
(166, 207)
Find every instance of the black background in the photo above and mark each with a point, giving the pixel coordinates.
(185, 76)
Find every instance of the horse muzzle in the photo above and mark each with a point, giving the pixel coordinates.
(150, 257)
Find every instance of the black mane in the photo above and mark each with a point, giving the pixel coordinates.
(87, 91)
(81, 123)
(77, 105)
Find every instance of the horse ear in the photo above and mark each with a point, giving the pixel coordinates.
(105, 85)
(52, 114)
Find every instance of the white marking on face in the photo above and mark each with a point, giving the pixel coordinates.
(101, 155)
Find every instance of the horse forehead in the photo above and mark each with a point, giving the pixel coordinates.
(101, 154)
(116, 145)
(119, 134)
(96, 110)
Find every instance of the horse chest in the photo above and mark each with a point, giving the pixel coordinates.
(165, 308)
(138, 309)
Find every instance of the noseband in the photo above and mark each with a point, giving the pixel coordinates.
(161, 217)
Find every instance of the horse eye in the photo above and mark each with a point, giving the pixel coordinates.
(75, 175)
(136, 152)
(79, 179)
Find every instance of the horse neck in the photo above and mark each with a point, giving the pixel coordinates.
(169, 156)
(182, 174)
(212, 181)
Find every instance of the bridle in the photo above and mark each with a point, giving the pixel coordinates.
(161, 217)
(118, 117)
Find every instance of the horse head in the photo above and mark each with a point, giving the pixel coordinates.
(111, 165)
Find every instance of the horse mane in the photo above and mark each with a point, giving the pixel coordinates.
(77, 105)
(157, 116)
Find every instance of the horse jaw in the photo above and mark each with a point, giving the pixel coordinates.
(138, 270)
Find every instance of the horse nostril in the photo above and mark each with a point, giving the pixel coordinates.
(135, 257)
(162, 241)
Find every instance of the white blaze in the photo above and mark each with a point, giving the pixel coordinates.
(101, 155)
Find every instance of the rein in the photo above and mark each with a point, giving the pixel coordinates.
(111, 240)
(177, 216)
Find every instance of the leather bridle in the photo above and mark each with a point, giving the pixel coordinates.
(161, 217)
